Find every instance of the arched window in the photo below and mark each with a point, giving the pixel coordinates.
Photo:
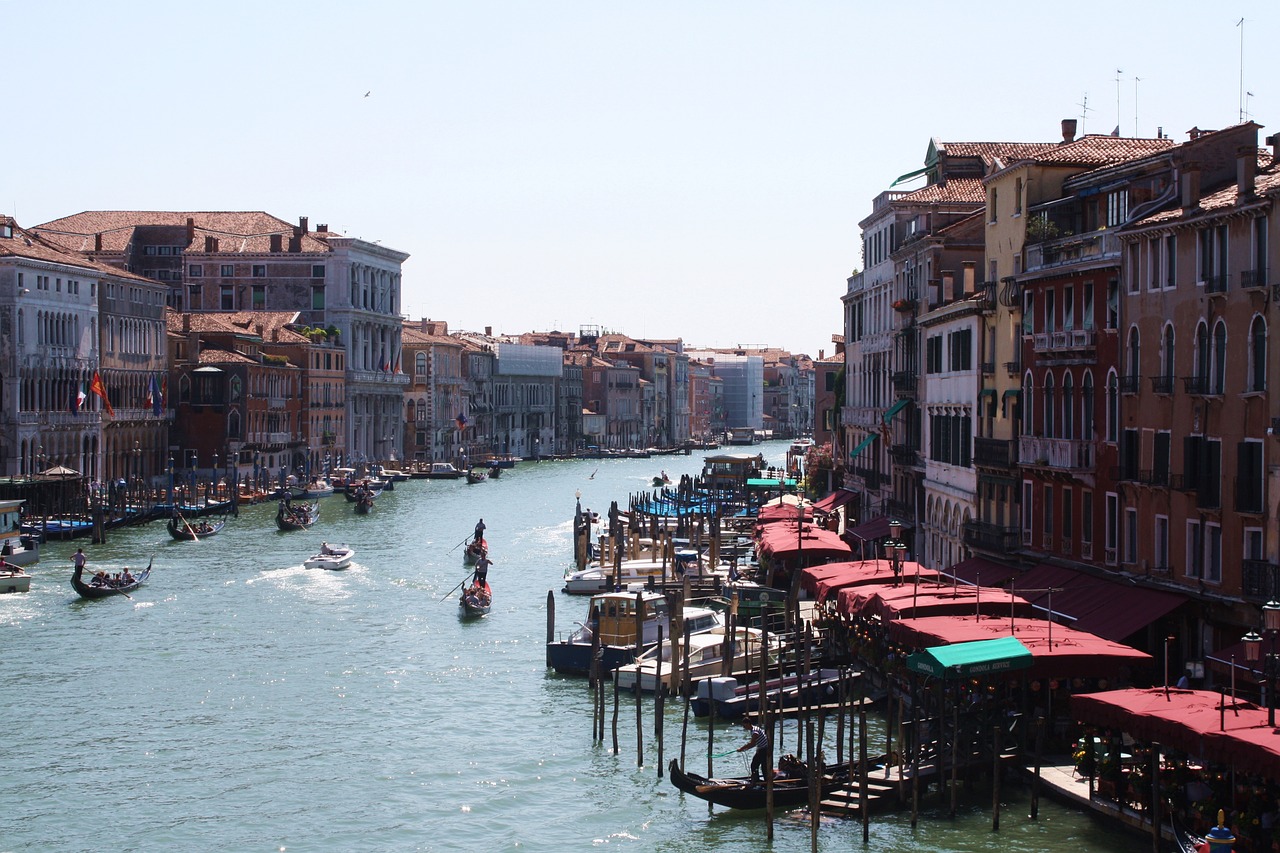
(1166, 353)
(1028, 422)
(233, 424)
(1113, 405)
(420, 365)
(1258, 355)
(1133, 364)
(184, 389)
(1202, 354)
(1087, 431)
(408, 411)
(1068, 406)
(422, 411)
(1219, 358)
(1049, 424)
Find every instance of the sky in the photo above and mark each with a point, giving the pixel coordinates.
(661, 169)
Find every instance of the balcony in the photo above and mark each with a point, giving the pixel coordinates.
(268, 438)
(871, 477)
(987, 297)
(901, 510)
(1196, 385)
(1162, 384)
(861, 416)
(999, 453)
(1253, 279)
(1013, 368)
(1259, 579)
(1215, 285)
(1065, 454)
(1130, 384)
(989, 537)
(1065, 341)
(988, 368)
(904, 382)
(903, 454)
(1074, 249)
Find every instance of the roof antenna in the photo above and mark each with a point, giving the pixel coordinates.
(1119, 71)
(1136, 81)
(1240, 24)
(1084, 111)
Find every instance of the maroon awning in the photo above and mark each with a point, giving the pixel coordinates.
(781, 539)
(1115, 609)
(784, 512)
(876, 528)
(822, 582)
(909, 600)
(980, 570)
(834, 501)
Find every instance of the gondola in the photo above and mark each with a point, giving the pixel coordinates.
(495, 471)
(476, 600)
(297, 517)
(475, 475)
(364, 505)
(476, 549)
(738, 792)
(353, 493)
(89, 590)
(182, 529)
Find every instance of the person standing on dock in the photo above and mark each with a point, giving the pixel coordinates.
(760, 741)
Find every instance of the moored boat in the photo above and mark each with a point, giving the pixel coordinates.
(105, 586)
(331, 557)
(790, 785)
(443, 471)
(13, 578)
(733, 699)
(704, 657)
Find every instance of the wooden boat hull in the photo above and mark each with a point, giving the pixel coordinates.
(364, 507)
(474, 603)
(475, 477)
(90, 591)
(300, 519)
(186, 531)
(471, 555)
(739, 792)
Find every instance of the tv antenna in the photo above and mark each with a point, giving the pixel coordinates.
(1084, 111)
(1119, 72)
(1136, 81)
(1240, 24)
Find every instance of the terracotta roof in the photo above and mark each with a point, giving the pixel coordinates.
(412, 335)
(990, 152)
(30, 244)
(1099, 150)
(238, 232)
(212, 355)
(1266, 181)
(967, 190)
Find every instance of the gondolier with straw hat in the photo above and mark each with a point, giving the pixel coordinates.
(760, 741)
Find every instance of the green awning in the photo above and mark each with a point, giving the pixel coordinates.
(986, 392)
(895, 408)
(964, 660)
(1013, 392)
(908, 176)
(766, 483)
(862, 445)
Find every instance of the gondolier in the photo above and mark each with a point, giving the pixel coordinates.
(479, 530)
(77, 559)
(482, 569)
(760, 741)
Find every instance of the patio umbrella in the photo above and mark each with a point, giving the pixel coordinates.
(60, 471)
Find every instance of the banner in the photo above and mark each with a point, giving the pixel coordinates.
(98, 388)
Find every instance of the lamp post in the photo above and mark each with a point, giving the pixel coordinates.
(137, 468)
(896, 549)
(1271, 665)
(173, 502)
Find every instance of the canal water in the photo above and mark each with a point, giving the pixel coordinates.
(241, 702)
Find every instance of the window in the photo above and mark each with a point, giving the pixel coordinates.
(1209, 477)
(1027, 492)
(1160, 460)
(1258, 276)
(1170, 262)
(1050, 430)
(1130, 535)
(1048, 516)
(961, 349)
(1113, 304)
(420, 365)
(148, 250)
(1068, 308)
(1249, 476)
(259, 270)
(317, 270)
(1113, 405)
(1028, 388)
(1130, 449)
(1219, 358)
(1087, 431)
(1086, 524)
(1213, 257)
(1213, 552)
(1132, 268)
(227, 270)
(1067, 521)
(1028, 311)
(1067, 424)
(193, 297)
(1160, 545)
(991, 205)
(933, 354)
(195, 270)
(1017, 197)
(166, 250)
(1202, 356)
(1134, 361)
(317, 299)
(1258, 355)
(259, 295)
(1167, 358)
(1050, 319)
(1195, 549)
(227, 298)
(1117, 207)
(1112, 522)
(1253, 543)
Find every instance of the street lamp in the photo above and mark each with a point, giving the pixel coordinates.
(137, 467)
(896, 549)
(173, 502)
(1253, 647)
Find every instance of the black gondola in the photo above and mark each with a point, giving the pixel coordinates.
(364, 505)
(495, 471)
(475, 549)
(475, 475)
(738, 792)
(182, 529)
(477, 599)
(297, 517)
(92, 590)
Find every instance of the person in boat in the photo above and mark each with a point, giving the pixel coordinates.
(99, 579)
(78, 558)
(482, 570)
(127, 577)
(479, 537)
(325, 549)
(789, 767)
(759, 741)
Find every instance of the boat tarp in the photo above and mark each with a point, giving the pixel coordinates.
(966, 660)
(824, 581)
(1059, 651)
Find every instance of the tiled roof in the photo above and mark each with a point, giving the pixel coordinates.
(237, 232)
(34, 246)
(411, 335)
(1266, 181)
(989, 152)
(960, 190)
(213, 355)
(1099, 150)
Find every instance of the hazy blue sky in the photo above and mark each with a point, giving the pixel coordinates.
(658, 168)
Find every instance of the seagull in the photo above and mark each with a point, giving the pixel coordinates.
(368, 93)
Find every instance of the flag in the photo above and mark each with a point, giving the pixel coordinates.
(98, 388)
(153, 397)
(397, 367)
(462, 421)
(77, 397)
(382, 363)
(164, 390)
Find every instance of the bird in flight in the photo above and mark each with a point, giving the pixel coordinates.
(368, 93)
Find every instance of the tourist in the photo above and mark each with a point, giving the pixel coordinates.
(759, 740)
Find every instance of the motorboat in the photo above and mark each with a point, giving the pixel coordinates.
(611, 622)
(732, 698)
(597, 578)
(705, 657)
(332, 557)
(16, 549)
(13, 578)
(443, 471)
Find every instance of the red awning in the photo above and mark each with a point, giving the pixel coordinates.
(1114, 609)
(1058, 651)
(907, 600)
(980, 570)
(834, 501)
(781, 539)
(784, 512)
(822, 582)
(876, 528)
(1201, 722)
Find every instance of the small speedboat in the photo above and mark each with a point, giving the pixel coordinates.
(13, 578)
(332, 557)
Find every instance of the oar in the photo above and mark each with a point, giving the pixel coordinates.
(190, 529)
(455, 589)
(460, 544)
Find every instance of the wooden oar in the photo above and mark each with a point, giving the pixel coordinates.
(190, 529)
(455, 589)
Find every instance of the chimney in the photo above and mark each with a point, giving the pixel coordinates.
(967, 284)
(191, 230)
(820, 354)
(277, 242)
(321, 228)
(97, 242)
(488, 331)
(946, 288)
(424, 326)
(1274, 141)
(295, 243)
(1068, 130)
(1246, 171)
(1190, 182)
(302, 223)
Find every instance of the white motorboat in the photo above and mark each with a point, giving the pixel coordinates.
(333, 557)
(15, 548)
(14, 579)
(706, 654)
(597, 578)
